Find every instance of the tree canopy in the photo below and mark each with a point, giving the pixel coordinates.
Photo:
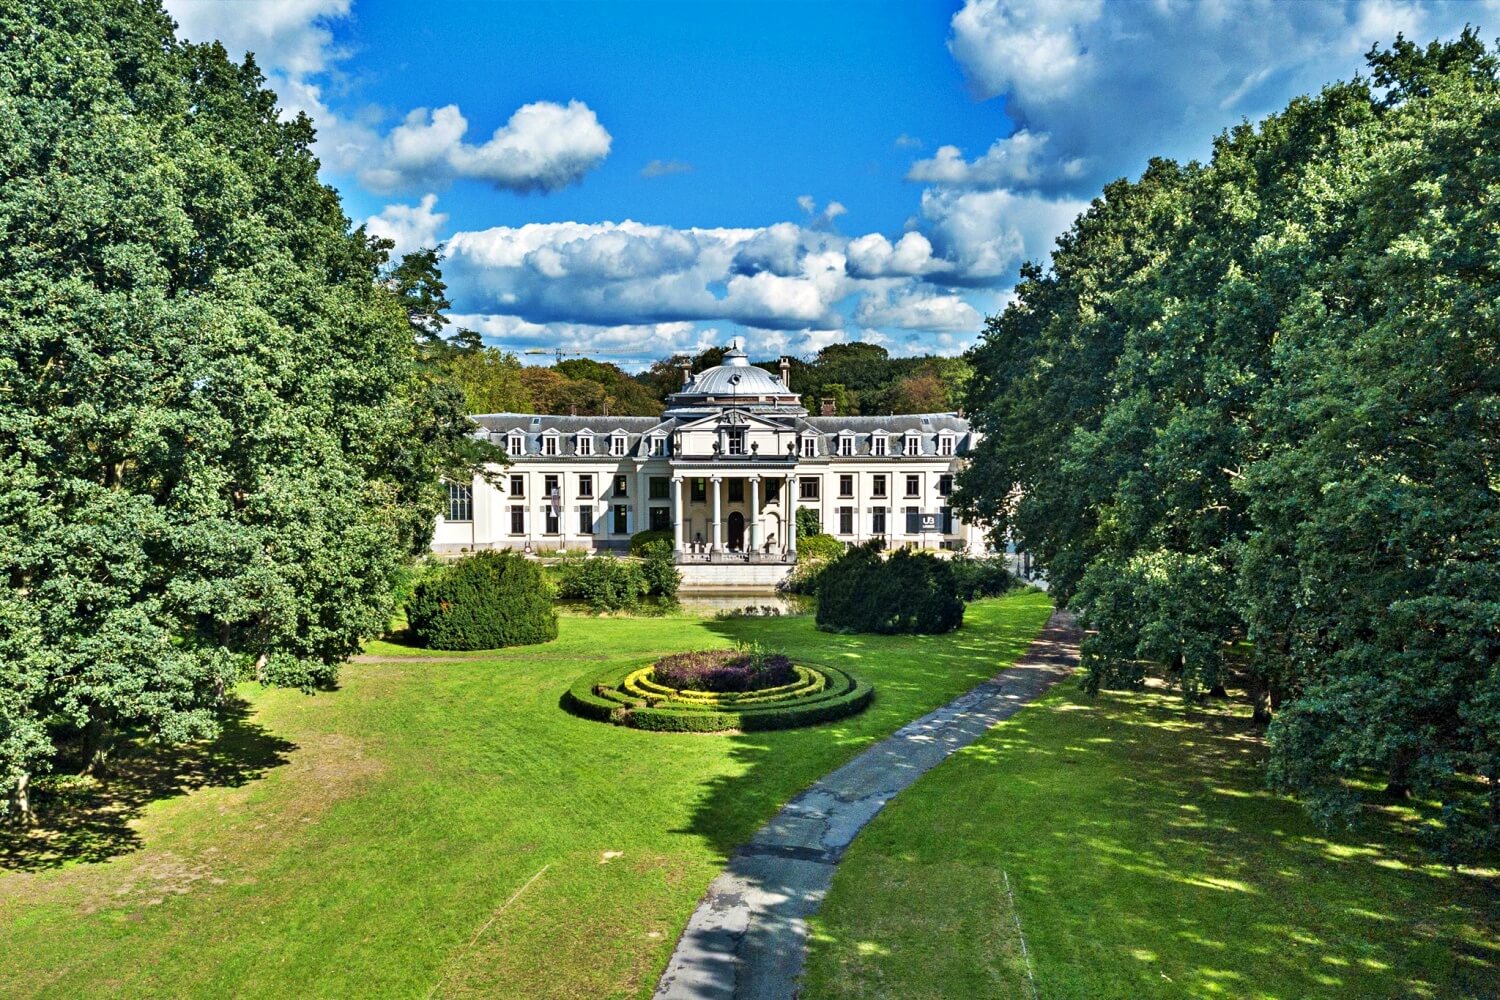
(1247, 419)
(216, 445)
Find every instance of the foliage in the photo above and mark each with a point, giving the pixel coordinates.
(910, 591)
(488, 600)
(742, 669)
(976, 577)
(1252, 400)
(641, 539)
(605, 583)
(490, 381)
(818, 548)
(216, 442)
(809, 522)
(659, 568)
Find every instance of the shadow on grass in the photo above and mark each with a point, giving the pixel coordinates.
(93, 822)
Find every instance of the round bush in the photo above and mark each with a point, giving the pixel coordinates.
(981, 577)
(660, 571)
(818, 548)
(641, 539)
(636, 697)
(908, 592)
(484, 601)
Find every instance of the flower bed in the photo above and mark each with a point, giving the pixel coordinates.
(723, 670)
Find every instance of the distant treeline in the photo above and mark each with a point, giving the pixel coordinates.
(857, 378)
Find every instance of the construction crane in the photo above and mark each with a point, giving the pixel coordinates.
(560, 354)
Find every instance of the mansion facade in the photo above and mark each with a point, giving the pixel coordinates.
(723, 470)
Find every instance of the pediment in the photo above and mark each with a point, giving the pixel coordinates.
(733, 417)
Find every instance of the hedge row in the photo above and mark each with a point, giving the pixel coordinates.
(600, 697)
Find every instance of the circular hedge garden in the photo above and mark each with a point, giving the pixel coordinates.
(718, 690)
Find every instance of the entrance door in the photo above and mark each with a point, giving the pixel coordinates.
(736, 532)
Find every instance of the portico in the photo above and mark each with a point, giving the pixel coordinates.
(743, 515)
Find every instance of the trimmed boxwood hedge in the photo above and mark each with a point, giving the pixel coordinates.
(600, 697)
(483, 601)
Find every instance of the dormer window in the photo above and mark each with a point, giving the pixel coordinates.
(945, 445)
(846, 444)
(585, 444)
(617, 445)
(734, 442)
(658, 444)
(913, 445)
(515, 444)
(878, 446)
(809, 446)
(549, 444)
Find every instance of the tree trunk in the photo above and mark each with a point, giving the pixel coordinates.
(1217, 691)
(96, 745)
(20, 801)
(1260, 700)
(1398, 783)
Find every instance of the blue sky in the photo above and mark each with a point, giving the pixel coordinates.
(636, 179)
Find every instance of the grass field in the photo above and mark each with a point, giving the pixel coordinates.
(441, 828)
(1135, 850)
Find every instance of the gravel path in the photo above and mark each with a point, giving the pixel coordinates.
(748, 937)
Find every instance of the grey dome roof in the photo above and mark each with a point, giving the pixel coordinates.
(737, 377)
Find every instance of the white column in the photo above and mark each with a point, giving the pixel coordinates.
(677, 543)
(642, 499)
(754, 526)
(789, 511)
(713, 487)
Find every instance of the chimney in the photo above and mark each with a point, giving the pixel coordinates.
(687, 370)
(828, 406)
(786, 371)
(572, 409)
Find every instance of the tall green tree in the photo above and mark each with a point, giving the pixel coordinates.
(208, 465)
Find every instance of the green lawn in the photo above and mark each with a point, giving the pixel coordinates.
(1143, 858)
(442, 828)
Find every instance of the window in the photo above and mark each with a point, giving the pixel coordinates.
(846, 486)
(661, 487)
(877, 520)
(736, 491)
(809, 447)
(877, 446)
(877, 486)
(846, 520)
(661, 519)
(807, 487)
(658, 445)
(518, 486)
(585, 444)
(517, 519)
(622, 519)
(460, 502)
(550, 520)
(622, 486)
(913, 445)
(585, 485)
(549, 445)
(773, 490)
(698, 490)
(846, 445)
(734, 442)
(913, 521)
(617, 445)
(515, 445)
(945, 518)
(549, 487)
(945, 445)
(586, 519)
(913, 486)
(945, 485)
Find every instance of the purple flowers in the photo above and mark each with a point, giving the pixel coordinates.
(746, 669)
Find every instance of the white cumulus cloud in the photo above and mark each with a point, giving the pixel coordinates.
(915, 309)
(410, 227)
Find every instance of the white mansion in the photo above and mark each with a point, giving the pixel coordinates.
(723, 469)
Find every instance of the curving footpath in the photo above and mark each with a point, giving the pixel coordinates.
(748, 937)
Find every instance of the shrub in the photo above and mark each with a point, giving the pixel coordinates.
(819, 548)
(808, 523)
(909, 592)
(724, 670)
(483, 601)
(642, 539)
(660, 571)
(603, 582)
(976, 578)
